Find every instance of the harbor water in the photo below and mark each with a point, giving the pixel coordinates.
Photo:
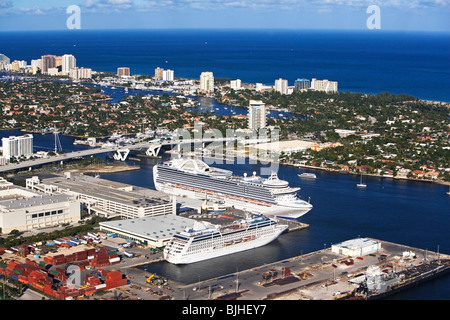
(405, 212)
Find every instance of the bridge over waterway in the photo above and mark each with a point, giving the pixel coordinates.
(121, 152)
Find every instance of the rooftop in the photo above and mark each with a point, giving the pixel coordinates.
(356, 243)
(17, 198)
(154, 228)
(109, 190)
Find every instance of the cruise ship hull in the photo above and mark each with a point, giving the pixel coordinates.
(207, 189)
(222, 248)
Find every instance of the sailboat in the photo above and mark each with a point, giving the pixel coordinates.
(448, 192)
(361, 184)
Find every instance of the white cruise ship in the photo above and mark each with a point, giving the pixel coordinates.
(194, 178)
(205, 241)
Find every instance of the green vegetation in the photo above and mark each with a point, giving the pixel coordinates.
(396, 135)
(387, 134)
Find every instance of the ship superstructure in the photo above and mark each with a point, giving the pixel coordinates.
(194, 178)
(205, 241)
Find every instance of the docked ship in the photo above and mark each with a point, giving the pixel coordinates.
(194, 178)
(206, 241)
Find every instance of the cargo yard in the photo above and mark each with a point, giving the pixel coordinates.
(106, 269)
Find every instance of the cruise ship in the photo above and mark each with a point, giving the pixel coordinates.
(205, 241)
(195, 179)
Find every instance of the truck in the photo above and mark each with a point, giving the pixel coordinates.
(128, 254)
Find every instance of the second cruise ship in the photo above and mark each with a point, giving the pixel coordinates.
(204, 241)
(194, 178)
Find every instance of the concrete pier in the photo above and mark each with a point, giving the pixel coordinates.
(319, 275)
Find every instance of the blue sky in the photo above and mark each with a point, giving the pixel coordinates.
(422, 15)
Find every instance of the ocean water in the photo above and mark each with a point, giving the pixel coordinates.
(415, 63)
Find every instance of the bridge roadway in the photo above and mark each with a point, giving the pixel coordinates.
(92, 151)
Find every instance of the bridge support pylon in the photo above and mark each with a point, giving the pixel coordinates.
(121, 154)
(153, 150)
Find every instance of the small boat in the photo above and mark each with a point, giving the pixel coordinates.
(361, 184)
(307, 175)
(448, 191)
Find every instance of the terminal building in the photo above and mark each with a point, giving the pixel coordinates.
(151, 231)
(107, 198)
(356, 247)
(22, 209)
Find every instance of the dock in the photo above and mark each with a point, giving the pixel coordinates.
(319, 275)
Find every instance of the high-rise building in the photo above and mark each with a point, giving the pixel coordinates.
(324, 85)
(302, 84)
(4, 59)
(53, 71)
(281, 85)
(68, 62)
(207, 81)
(159, 73)
(48, 61)
(36, 63)
(15, 66)
(235, 84)
(58, 61)
(167, 75)
(80, 73)
(17, 146)
(123, 71)
(256, 115)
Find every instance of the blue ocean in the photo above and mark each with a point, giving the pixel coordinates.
(410, 213)
(415, 63)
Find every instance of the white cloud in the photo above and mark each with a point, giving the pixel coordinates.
(5, 4)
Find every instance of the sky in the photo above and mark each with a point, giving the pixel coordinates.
(399, 15)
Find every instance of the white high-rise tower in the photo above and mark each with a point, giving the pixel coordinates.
(207, 81)
(68, 62)
(256, 115)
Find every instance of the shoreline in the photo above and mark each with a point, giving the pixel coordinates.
(223, 158)
(104, 169)
(367, 174)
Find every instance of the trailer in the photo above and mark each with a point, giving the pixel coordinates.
(128, 254)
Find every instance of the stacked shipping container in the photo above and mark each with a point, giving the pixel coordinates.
(53, 283)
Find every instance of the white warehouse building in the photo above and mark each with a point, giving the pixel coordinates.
(356, 247)
(107, 198)
(150, 231)
(23, 209)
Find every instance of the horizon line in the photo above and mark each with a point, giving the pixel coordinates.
(234, 29)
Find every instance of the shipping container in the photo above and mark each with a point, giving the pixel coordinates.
(116, 259)
(128, 254)
(100, 286)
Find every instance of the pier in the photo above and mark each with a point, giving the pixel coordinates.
(319, 275)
